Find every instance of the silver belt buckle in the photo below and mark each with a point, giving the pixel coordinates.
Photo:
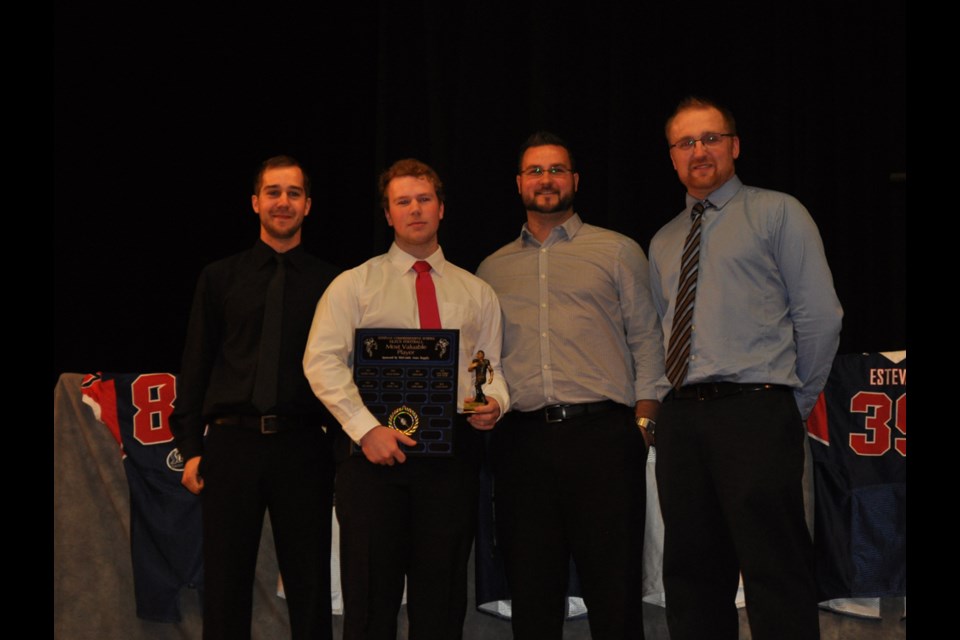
(269, 424)
(563, 413)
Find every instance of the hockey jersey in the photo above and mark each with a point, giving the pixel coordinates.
(165, 518)
(858, 442)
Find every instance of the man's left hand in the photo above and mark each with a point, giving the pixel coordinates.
(485, 416)
(648, 438)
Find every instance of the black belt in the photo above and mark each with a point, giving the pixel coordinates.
(561, 412)
(266, 424)
(711, 390)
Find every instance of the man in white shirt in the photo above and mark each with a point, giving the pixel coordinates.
(405, 516)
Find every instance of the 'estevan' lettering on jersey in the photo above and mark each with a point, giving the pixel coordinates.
(884, 377)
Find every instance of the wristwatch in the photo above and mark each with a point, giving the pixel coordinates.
(646, 424)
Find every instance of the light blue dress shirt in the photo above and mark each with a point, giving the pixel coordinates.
(766, 310)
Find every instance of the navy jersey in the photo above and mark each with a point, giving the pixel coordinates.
(858, 441)
(165, 524)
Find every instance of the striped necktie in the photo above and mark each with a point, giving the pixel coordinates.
(678, 353)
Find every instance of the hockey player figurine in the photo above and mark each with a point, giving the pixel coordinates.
(483, 374)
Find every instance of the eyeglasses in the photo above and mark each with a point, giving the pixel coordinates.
(708, 140)
(536, 172)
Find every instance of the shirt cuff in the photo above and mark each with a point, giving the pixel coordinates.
(503, 410)
(358, 426)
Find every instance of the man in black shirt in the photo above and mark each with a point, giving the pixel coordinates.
(267, 446)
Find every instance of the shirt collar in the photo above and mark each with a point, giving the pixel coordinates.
(264, 253)
(565, 231)
(719, 198)
(403, 261)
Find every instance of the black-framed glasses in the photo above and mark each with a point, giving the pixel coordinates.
(707, 140)
(536, 172)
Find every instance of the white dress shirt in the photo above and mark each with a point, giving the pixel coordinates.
(382, 293)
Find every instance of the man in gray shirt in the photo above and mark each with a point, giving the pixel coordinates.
(583, 358)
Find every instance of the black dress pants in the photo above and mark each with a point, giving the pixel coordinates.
(729, 473)
(414, 520)
(291, 475)
(572, 488)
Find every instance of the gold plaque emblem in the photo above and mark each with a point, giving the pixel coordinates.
(404, 419)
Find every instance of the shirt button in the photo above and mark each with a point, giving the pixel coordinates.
(543, 335)
(546, 366)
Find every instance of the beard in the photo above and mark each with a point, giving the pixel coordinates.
(564, 203)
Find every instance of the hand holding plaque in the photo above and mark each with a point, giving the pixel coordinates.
(383, 445)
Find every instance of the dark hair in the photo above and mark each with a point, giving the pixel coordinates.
(408, 167)
(276, 162)
(696, 102)
(543, 138)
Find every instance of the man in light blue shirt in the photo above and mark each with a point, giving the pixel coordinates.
(750, 328)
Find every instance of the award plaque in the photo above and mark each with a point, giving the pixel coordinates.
(407, 378)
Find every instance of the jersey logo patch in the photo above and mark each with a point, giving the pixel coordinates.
(175, 460)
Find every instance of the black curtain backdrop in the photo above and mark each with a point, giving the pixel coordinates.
(163, 113)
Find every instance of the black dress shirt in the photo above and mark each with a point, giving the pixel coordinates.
(223, 341)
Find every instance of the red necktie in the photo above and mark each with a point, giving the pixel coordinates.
(426, 296)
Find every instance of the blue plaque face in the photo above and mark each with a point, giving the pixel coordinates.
(408, 379)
